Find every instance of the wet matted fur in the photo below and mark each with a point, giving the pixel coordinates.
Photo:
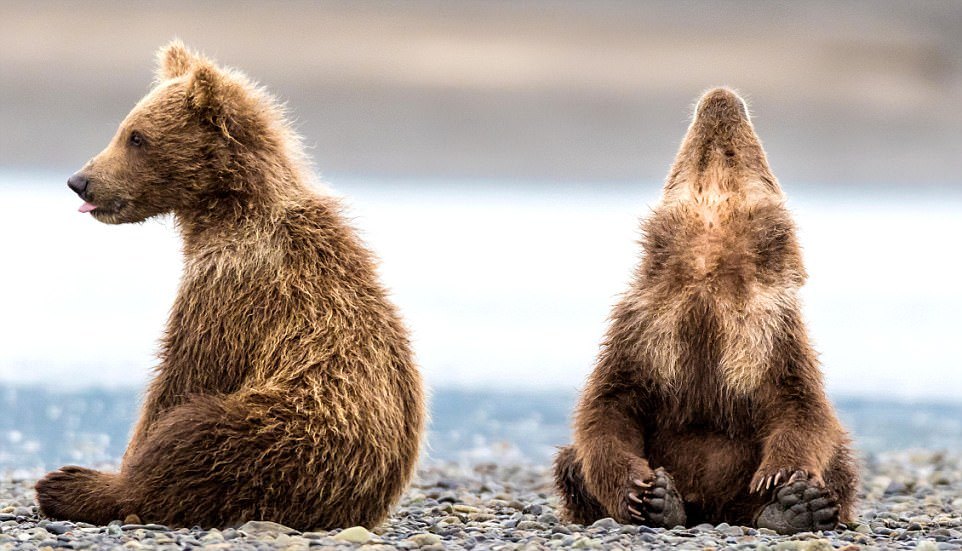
(286, 389)
(706, 370)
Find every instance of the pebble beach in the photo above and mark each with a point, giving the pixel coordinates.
(909, 500)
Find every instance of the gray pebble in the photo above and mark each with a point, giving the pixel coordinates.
(58, 527)
(533, 509)
(606, 523)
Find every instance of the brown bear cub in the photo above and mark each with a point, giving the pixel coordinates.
(706, 403)
(286, 389)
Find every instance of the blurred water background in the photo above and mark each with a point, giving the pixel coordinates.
(497, 156)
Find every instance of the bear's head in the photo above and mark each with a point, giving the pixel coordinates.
(191, 144)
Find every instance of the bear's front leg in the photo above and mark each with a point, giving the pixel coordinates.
(79, 494)
(608, 448)
(802, 436)
(794, 444)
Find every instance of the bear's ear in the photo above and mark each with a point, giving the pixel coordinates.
(216, 97)
(174, 60)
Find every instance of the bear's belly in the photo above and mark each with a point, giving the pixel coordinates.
(705, 464)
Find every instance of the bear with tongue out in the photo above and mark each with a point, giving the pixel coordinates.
(286, 389)
(706, 403)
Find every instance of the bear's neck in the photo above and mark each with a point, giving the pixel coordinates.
(252, 205)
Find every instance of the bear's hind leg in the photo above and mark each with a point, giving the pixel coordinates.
(841, 478)
(79, 494)
(217, 461)
(578, 505)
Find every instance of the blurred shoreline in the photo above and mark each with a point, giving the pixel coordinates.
(46, 426)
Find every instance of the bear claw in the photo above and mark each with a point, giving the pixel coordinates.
(657, 502)
(799, 506)
(763, 482)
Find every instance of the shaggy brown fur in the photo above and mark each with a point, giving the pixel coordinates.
(706, 369)
(286, 389)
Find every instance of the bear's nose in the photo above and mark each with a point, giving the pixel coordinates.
(78, 182)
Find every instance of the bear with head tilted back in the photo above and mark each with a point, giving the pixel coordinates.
(286, 389)
(707, 403)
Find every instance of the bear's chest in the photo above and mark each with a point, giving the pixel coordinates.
(705, 408)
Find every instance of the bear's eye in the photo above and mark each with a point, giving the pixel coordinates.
(136, 139)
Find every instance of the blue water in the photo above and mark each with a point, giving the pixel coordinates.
(43, 428)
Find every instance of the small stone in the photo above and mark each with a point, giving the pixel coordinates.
(582, 542)
(214, 536)
(530, 525)
(548, 518)
(354, 534)
(423, 540)
(926, 545)
(450, 520)
(533, 509)
(461, 508)
(57, 528)
(895, 487)
(132, 519)
(734, 531)
(265, 527)
(606, 523)
(154, 527)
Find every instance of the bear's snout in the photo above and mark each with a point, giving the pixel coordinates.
(79, 182)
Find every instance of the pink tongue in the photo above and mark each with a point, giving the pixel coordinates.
(87, 207)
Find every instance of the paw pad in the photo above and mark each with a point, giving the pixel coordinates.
(657, 502)
(800, 506)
